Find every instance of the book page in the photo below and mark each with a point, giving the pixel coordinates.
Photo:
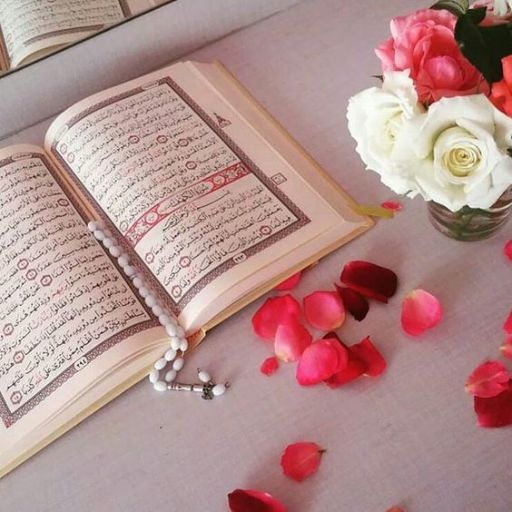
(210, 217)
(30, 26)
(67, 314)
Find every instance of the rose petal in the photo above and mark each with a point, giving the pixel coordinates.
(420, 311)
(367, 352)
(291, 339)
(394, 206)
(506, 348)
(370, 280)
(324, 310)
(253, 501)
(269, 366)
(507, 326)
(353, 302)
(508, 250)
(301, 460)
(290, 283)
(363, 359)
(488, 380)
(273, 312)
(319, 361)
(496, 411)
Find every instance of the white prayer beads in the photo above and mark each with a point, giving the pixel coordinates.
(178, 340)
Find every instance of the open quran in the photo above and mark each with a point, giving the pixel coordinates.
(30, 29)
(212, 200)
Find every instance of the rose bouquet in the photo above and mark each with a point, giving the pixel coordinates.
(439, 125)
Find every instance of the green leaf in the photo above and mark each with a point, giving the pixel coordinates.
(474, 47)
(457, 7)
(484, 47)
(477, 15)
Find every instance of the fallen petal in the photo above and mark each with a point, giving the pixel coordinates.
(367, 352)
(507, 326)
(496, 411)
(269, 366)
(301, 460)
(319, 361)
(324, 310)
(488, 380)
(506, 348)
(508, 250)
(253, 501)
(353, 302)
(420, 311)
(290, 283)
(394, 206)
(370, 280)
(291, 339)
(273, 312)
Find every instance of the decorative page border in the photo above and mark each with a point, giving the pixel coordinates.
(6, 415)
(177, 306)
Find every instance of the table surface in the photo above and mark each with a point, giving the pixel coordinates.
(408, 437)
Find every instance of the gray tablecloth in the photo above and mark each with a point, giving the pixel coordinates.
(408, 437)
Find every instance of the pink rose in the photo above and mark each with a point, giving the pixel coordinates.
(501, 93)
(423, 42)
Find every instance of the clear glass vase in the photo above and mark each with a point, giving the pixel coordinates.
(471, 224)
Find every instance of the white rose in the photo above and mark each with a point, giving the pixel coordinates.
(462, 143)
(376, 118)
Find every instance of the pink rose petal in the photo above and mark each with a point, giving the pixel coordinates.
(324, 310)
(370, 280)
(507, 326)
(367, 352)
(291, 339)
(488, 380)
(508, 250)
(269, 366)
(354, 303)
(420, 311)
(496, 411)
(394, 206)
(273, 312)
(290, 283)
(319, 361)
(301, 460)
(253, 501)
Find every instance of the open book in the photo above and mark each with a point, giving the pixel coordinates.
(211, 199)
(30, 29)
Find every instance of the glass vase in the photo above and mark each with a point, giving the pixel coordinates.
(471, 224)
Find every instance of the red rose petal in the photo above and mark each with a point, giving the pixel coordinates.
(363, 359)
(290, 283)
(496, 411)
(269, 366)
(253, 501)
(420, 311)
(273, 312)
(319, 361)
(506, 348)
(324, 310)
(366, 351)
(488, 380)
(301, 460)
(354, 302)
(370, 280)
(507, 326)
(291, 339)
(394, 206)
(508, 250)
